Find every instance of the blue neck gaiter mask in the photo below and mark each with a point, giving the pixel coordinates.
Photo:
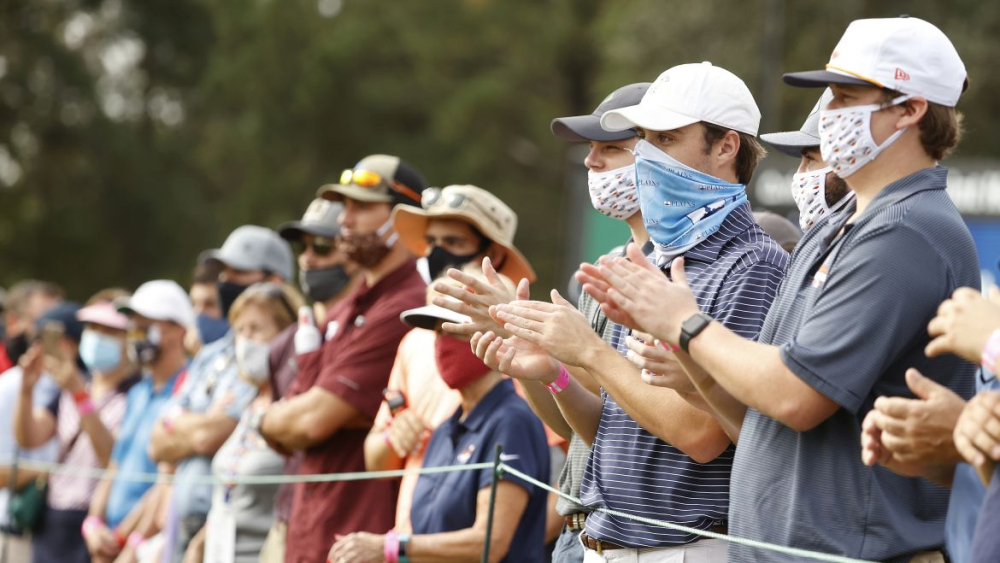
(680, 205)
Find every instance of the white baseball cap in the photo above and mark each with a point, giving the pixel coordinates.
(160, 300)
(908, 55)
(687, 94)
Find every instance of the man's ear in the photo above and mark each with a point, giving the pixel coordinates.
(914, 110)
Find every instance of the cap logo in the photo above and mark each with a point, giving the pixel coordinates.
(901, 74)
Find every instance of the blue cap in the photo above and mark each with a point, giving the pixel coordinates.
(64, 313)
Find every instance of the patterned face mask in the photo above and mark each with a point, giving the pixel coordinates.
(809, 193)
(613, 192)
(845, 137)
(681, 206)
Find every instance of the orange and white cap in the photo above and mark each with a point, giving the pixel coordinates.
(908, 55)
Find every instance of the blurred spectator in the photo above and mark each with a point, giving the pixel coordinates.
(450, 509)
(211, 400)
(338, 389)
(241, 515)
(37, 390)
(816, 190)
(783, 231)
(25, 303)
(120, 513)
(210, 325)
(85, 419)
(326, 276)
(456, 226)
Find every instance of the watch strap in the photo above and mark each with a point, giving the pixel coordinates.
(692, 327)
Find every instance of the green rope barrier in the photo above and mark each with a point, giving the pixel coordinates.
(497, 466)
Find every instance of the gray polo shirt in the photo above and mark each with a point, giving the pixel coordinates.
(850, 318)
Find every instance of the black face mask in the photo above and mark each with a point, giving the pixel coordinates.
(440, 259)
(228, 292)
(323, 284)
(16, 346)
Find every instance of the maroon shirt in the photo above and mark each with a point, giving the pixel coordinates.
(284, 367)
(362, 334)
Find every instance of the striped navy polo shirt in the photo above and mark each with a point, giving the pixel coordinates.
(850, 319)
(734, 274)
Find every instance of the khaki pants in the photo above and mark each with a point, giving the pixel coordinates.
(928, 557)
(18, 548)
(703, 551)
(274, 546)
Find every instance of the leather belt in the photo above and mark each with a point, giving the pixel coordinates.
(576, 521)
(599, 546)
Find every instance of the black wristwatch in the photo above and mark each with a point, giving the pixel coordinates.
(693, 327)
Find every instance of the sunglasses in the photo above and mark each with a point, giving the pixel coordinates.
(370, 179)
(435, 197)
(321, 246)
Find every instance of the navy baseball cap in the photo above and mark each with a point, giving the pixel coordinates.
(64, 313)
(583, 128)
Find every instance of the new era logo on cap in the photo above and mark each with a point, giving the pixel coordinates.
(908, 55)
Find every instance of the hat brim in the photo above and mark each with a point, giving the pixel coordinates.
(822, 79)
(410, 223)
(103, 314)
(584, 128)
(647, 117)
(429, 315)
(338, 192)
(218, 257)
(790, 142)
(293, 230)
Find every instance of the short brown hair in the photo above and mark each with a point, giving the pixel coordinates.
(940, 128)
(107, 295)
(749, 155)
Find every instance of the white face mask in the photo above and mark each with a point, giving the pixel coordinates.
(252, 360)
(809, 193)
(613, 192)
(845, 137)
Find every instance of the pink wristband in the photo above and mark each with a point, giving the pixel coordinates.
(90, 524)
(135, 539)
(85, 407)
(991, 351)
(561, 382)
(390, 550)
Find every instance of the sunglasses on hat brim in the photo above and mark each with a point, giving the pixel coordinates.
(371, 179)
(436, 197)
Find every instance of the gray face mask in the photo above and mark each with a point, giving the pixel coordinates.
(323, 284)
(252, 359)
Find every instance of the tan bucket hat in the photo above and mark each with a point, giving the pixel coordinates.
(483, 210)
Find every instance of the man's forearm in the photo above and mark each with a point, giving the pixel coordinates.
(378, 455)
(541, 401)
(205, 432)
(100, 438)
(755, 375)
(99, 502)
(580, 408)
(167, 446)
(728, 412)
(661, 411)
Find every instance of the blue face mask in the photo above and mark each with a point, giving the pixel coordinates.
(100, 352)
(680, 205)
(210, 328)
